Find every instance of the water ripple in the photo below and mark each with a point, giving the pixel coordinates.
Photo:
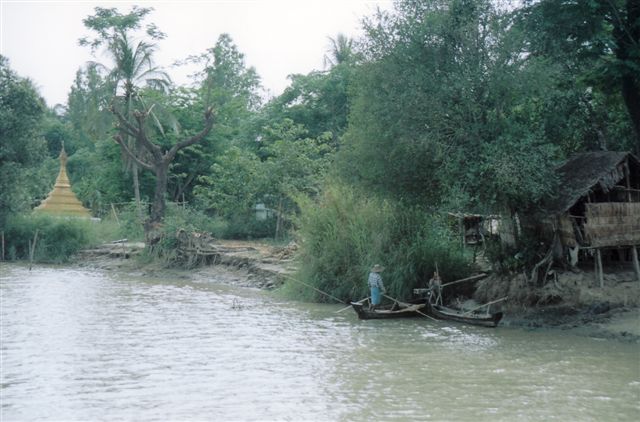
(81, 345)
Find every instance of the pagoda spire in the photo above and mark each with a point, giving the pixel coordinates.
(61, 200)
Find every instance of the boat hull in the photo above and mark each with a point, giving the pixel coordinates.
(363, 311)
(448, 314)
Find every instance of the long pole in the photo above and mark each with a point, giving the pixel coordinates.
(317, 290)
(417, 311)
(360, 301)
(473, 277)
(486, 304)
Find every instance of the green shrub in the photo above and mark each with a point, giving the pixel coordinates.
(129, 225)
(531, 247)
(344, 233)
(248, 227)
(58, 238)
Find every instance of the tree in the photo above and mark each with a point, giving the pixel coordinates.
(231, 88)
(441, 87)
(319, 100)
(295, 165)
(88, 105)
(340, 52)
(22, 148)
(133, 63)
(598, 43)
(291, 164)
(157, 160)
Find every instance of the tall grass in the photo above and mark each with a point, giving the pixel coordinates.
(344, 233)
(58, 238)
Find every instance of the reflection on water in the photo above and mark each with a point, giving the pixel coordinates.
(80, 345)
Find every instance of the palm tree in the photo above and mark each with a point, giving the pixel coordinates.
(340, 51)
(133, 66)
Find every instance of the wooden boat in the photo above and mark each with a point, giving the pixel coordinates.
(474, 318)
(389, 312)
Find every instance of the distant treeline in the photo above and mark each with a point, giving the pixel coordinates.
(459, 105)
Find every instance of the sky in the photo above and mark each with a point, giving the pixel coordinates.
(277, 37)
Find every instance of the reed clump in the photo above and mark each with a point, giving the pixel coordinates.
(345, 232)
(57, 238)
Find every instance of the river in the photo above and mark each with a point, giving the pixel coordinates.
(82, 345)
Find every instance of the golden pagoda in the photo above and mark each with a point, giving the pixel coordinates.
(61, 200)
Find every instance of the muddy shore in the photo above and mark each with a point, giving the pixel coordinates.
(579, 307)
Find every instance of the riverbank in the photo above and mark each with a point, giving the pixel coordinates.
(240, 263)
(572, 302)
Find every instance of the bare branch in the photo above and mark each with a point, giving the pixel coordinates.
(208, 115)
(123, 121)
(124, 130)
(124, 146)
(153, 149)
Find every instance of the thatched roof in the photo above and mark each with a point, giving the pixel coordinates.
(587, 172)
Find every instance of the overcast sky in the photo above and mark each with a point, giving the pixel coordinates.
(277, 37)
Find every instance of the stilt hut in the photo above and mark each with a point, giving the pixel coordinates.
(597, 209)
(61, 201)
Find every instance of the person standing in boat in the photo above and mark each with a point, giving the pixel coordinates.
(376, 285)
(435, 289)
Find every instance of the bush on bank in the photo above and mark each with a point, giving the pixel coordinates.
(345, 232)
(57, 240)
(179, 218)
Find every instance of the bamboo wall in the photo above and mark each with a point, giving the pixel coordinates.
(565, 230)
(613, 224)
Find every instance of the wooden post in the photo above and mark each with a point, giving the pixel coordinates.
(2, 258)
(599, 271)
(462, 230)
(278, 220)
(636, 265)
(627, 179)
(32, 249)
(115, 214)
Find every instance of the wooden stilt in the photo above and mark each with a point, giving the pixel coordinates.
(595, 267)
(599, 271)
(636, 264)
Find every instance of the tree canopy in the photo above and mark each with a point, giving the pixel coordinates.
(22, 146)
(440, 106)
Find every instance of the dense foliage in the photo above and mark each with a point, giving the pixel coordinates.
(55, 239)
(23, 150)
(346, 232)
(442, 106)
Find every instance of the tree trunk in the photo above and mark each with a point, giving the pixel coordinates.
(136, 191)
(183, 187)
(158, 207)
(507, 228)
(159, 163)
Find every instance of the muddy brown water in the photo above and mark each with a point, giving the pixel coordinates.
(81, 345)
